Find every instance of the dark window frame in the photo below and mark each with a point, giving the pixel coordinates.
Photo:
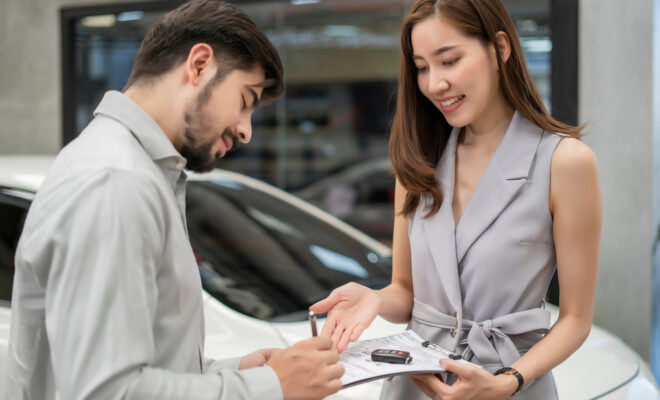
(564, 58)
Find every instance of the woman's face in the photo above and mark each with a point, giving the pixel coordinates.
(456, 72)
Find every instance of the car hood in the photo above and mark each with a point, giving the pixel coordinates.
(601, 365)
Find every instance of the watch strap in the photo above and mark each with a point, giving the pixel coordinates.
(514, 372)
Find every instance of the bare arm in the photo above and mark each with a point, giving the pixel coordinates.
(397, 298)
(575, 204)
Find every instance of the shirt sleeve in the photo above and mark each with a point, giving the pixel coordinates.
(211, 366)
(102, 244)
(267, 384)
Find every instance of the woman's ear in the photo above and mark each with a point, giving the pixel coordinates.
(503, 45)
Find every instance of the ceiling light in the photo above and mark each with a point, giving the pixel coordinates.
(130, 16)
(99, 21)
(341, 30)
(301, 2)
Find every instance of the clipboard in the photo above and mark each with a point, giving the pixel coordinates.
(359, 368)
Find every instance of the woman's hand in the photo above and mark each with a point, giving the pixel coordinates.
(473, 383)
(351, 309)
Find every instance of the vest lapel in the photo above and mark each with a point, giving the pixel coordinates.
(503, 178)
(439, 229)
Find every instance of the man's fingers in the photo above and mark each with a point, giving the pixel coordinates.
(334, 371)
(334, 386)
(317, 342)
(330, 356)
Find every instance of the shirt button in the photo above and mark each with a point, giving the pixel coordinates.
(179, 165)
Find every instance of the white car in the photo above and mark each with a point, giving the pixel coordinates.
(265, 255)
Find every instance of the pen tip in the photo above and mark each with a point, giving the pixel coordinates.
(311, 313)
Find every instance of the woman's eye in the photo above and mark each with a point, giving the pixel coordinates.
(449, 63)
(421, 69)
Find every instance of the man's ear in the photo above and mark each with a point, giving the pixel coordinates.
(200, 63)
(503, 45)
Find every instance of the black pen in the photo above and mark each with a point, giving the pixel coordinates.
(312, 321)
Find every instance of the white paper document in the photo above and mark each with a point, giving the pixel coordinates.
(359, 368)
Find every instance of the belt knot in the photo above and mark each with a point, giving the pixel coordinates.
(486, 327)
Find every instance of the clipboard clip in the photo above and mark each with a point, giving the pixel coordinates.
(434, 346)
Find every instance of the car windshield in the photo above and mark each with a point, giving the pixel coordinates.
(267, 258)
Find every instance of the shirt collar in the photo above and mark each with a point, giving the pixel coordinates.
(118, 106)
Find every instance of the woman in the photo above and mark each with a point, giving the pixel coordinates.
(492, 195)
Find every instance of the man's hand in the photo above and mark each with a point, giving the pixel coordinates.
(308, 369)
(257, 358)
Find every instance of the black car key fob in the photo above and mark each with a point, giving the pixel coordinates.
(391, 356)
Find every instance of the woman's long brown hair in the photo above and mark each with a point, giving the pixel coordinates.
(419, 131)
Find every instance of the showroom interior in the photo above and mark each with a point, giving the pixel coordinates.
(326, 139)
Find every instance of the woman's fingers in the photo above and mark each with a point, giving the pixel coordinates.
(421, 384)
(458, 368)
(343, 340)
(357, 332)
(336, 336)
(431, 385)
(327, 303)
(329, 326)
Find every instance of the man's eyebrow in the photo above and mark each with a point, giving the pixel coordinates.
(439, 51)
(255, 98)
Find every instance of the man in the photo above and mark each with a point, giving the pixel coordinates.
(107, 299)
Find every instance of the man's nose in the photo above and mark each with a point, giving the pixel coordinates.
(243, 129)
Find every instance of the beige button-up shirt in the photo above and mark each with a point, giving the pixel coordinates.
(107, 300)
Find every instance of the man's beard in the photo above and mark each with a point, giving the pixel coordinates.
(195, 151)
(197, 154)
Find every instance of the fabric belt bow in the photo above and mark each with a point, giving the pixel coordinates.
(488, 340)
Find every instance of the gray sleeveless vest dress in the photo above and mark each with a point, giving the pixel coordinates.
(479, 288)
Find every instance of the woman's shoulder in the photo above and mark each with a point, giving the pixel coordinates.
(573, 173)
(572, 154)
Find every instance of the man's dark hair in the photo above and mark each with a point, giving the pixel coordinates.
(236, 41)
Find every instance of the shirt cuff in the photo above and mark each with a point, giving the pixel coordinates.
(263, 383)
(215, 366)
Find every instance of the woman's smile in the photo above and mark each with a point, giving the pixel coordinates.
(450, 104)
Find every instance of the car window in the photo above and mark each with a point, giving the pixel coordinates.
(377, 188)
(13, 209)
(267, 258)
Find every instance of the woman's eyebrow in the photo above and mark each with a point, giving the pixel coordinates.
(437, 52)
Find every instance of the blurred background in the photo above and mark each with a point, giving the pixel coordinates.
(325, 139)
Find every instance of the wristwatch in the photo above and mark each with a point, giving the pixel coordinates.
(514, 372)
